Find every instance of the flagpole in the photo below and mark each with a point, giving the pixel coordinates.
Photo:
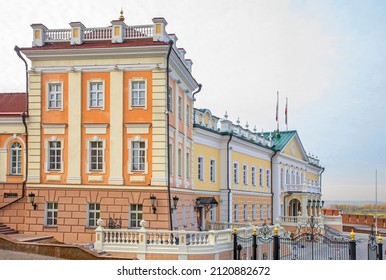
(277, 111)
(376, 202)
(286, 113)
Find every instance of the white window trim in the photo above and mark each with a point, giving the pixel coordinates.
(88, 162)
(180, 106)
(50, 82)
(135, 211)
(188, 164)
(20, 151)
(212, 180)
(94, 211)
(187, 113)
(213, 215)
(236, 174)
(131, 106)
(254, 212)
(253, 176)
(261, 177)
(51, 210)
(47, 154)
(245, 210)
(130, 158)
(184, 223)
(268, 176)
(89, 94)
(192, 214)
(236, 212)
(245, 175)
(200, 171)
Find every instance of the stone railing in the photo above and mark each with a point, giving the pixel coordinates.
(226, 225)
(142, 242)
(301, 188)
(302, 220)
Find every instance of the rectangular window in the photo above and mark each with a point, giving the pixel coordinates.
(254, 212)
(96, 95)
(200, 169)
(138, 156)
(213, 213)
(253, 176)
(236, 212)
(212, 170)
(261, 211)
(96, 156)
(179, 163)
(187, 166)
(55, 96)
(268, 178)
(138, 93)
(51, 214)
(245, 174)
(175, 221)
(191, 214)
(235, 172)
(170, 100)
(93, 214)
(135, 215)
(54, 155)
(184, 216)
(261, 177)
(245, 212)
(187, 115)
(180, 107)
(171, 158)
(268, 211)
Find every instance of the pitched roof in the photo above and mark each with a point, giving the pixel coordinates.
(281, 140)
(12, 104)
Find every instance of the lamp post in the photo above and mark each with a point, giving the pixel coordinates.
(312, 223)
(31, 196)
(153, 200)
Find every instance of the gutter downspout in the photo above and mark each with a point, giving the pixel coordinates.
(17, 50)
(228, 184)
(194, 99)
(272, 193)
(167, 133)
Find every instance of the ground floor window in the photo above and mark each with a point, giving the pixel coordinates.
(135, 215)
(51, 214)
(93, 214)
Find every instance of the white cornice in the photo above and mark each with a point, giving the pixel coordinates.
(182, 72)
(97, 68)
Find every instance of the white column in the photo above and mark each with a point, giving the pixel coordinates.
(276, 188)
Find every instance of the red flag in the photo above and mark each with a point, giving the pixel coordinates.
(286, 110)
(277, 107)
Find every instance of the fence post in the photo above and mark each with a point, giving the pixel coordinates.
(380, 248)
(235, 243)
(352, 250)
(276, 245)
(99, 240)
(254, 245)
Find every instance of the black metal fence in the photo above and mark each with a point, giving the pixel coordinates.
(309, 244)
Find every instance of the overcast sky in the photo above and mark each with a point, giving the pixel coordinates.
(327, 57)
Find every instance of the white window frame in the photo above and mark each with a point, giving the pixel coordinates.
(51, 213)
(253, 176)
(97, 107)
(55, 93)
(192, 217)
(180, 162)
(212, 170)
(245, 212)
(268, 211)
(236, 212)
(254, 212)
(171, 162)
(187, 115)
(130, 159)
(200, 168)
(138, 215)
(47, 162)
(268, 172)
(179, 107)
(184, 216)
(261, 211)
(15, 161)
(131, 93)
(170, 96)
(187, 165)
(245, 175)
(236, 173)
(88, 147)
(95, 213)
(213, 213)
(261, 177)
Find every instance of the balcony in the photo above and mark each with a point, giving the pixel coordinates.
(304, 188)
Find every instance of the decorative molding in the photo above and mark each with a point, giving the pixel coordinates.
(58, 129)
(137, 179)
(137, 128)
(96, 128)
(53, 178)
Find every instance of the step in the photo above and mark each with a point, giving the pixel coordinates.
(7, 232)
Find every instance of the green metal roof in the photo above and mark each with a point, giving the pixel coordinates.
(280, 140)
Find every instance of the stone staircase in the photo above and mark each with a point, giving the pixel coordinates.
(7, 230)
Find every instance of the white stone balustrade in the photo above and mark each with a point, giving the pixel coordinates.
(302, 188)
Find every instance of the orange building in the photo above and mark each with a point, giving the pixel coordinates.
(109, 118)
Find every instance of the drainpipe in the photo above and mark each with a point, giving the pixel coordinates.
(167, 133)
(272, 194)
(17, 50)
(194, 99)
(320, 176)
(228, 175)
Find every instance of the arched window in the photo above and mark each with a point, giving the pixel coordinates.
(15, 159)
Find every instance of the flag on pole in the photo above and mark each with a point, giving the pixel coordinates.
(286, 112)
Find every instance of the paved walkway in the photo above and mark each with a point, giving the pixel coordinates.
(12, 255)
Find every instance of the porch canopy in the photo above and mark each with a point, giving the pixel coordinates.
(205, 201)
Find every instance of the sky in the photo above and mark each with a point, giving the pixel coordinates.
(327, 57)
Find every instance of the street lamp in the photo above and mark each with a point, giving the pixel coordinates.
(31, 196)
(153, 200)
(175, 202)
